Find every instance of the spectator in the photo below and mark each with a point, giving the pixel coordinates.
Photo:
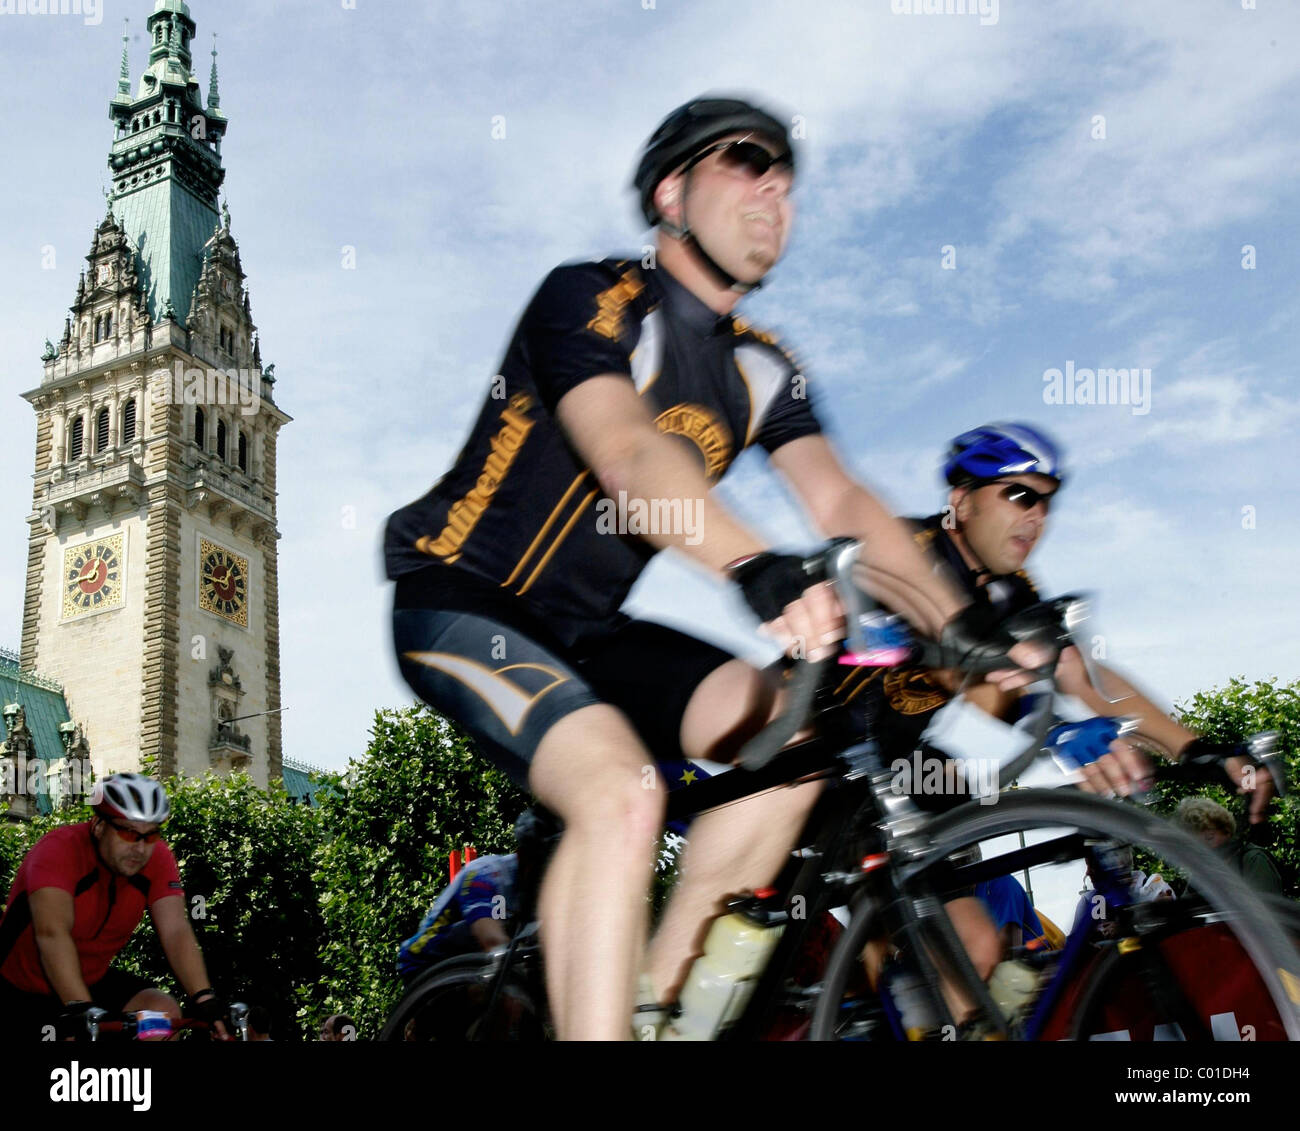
(1010, 910)
(1141, 888)
(259, 1023)
(338, 1027)
(1215, 826)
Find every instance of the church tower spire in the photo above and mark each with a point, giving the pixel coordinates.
(214, 95)
(152, 579)
(165, 163)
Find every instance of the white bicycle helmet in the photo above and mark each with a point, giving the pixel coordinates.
(131, 797)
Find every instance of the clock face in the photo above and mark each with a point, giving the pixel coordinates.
(223, 582)
(93, 577)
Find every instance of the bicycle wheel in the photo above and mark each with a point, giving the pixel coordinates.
(1239, 913)
(447, 1003)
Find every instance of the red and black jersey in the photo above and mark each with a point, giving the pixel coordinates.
(520, 511)
(108, 907)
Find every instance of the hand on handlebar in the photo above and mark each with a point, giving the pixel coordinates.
(1123, 771)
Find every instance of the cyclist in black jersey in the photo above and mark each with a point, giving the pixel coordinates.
(1003, 478)
(625, 393)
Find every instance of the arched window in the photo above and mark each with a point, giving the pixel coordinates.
(98, 323)
(200, 429)
(128, 422)
(221, 439)
(75, 446)
(108, 324)
(243, 450)
(101, 430)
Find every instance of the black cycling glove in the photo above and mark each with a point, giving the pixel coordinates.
(72, 1021)
(976, 641)
(770, 582)
(1206, 760)
(212, 1009)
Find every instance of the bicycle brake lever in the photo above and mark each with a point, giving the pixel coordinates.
(1075, 612)
(1263, 749)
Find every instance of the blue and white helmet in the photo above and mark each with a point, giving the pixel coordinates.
(996, 450)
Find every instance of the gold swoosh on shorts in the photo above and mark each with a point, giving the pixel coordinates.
(508, 702)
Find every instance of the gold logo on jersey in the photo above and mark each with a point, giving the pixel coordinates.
(911, 692)
(699, 425)
(465, 513)
(611, 304)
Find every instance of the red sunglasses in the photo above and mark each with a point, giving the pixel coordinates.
(130, 835)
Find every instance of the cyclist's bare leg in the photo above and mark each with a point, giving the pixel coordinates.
(735, 848)
(593, 906)
(975, 929)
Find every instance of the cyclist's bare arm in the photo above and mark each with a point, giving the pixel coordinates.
(1152, 723)
(53, 915)
(180, 946)
(898, 574)
(613, 431)
(489, 933)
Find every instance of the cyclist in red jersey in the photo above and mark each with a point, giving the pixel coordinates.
(77, 898)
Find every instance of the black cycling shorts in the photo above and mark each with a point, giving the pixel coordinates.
(500, 674)
(33, 1017)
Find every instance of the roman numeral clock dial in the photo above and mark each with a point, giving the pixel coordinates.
(223, 583)
(94, 577)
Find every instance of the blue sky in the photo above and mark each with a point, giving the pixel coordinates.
(371, 127)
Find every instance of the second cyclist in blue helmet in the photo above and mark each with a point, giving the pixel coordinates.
(1003, 481)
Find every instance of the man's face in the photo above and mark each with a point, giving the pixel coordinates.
(123, 857)
(1214, 837)
(1001, 533)
(743, 221)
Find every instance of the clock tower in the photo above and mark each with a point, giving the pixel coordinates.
(152, 569)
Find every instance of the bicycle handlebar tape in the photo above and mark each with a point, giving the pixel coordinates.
(802, 688)
(770, 582)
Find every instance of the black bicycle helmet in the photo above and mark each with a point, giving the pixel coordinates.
(690, 128)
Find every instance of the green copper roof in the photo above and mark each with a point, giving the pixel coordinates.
(298, 781)
(168, 226)
(44, 706)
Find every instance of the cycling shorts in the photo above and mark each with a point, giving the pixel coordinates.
(33, 1016)
(488, 663)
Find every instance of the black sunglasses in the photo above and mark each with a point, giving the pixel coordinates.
(130, 835)
(1026, 498)
(742, 155)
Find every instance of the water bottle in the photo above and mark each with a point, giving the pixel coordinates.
(1013, 986)
(723, 977)
(907, 993)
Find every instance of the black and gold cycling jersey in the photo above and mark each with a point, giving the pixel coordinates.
(903, 699)
(520, 509)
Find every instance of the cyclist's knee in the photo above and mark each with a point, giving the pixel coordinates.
(732, 704)
(592, 770)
